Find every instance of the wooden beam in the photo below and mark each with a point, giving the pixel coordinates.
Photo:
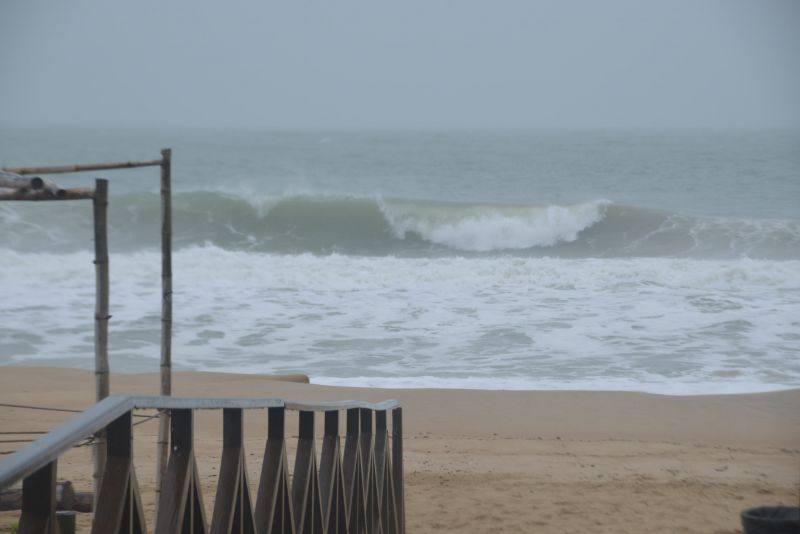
(57, 169)
(78, 193)
(39, 501)
(15, 181)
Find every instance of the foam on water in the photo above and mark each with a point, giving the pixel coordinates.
(378, 227)
(655, 385)
(424, 259)
(655, 324)
(488, 228)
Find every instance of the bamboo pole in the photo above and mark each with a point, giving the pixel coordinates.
(15, 181)
(166, 315)
(101, 316)
(78, 193)
(18, 187)
(84, 167)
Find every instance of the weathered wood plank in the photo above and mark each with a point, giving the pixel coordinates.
(79, 193)
(397, 467)
(119, 506)
(331, 479)
(274, 503)
(233, 509)
(39, 501)
(58, 169)
(181, 504)
(305, 482)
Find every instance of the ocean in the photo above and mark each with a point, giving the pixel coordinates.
(665, 262)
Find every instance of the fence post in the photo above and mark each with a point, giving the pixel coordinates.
(274, 511)
(39, 501)
(233, 508)
(397, 466)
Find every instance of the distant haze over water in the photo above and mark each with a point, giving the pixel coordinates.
(657, 261)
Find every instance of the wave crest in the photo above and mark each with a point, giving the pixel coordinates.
(386, 227)
(487, 228)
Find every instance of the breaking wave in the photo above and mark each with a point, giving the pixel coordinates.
(376, 226)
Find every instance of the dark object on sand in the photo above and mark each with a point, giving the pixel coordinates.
(66, 522)
(771, 520)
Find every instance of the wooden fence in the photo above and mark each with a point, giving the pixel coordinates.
(356, 489)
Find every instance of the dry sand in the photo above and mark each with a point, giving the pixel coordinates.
(481, 461)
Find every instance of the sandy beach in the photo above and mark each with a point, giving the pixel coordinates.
(503, 461)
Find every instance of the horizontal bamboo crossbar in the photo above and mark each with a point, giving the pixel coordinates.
(14, 186)
(57, 169)
(78, 193)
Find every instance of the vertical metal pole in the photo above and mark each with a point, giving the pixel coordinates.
(166, 314)
(101, 316)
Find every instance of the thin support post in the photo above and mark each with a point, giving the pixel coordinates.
(101, 315)
(119, 504)
(233, 508)
(274, 512)
(39, 501)
(166, 314)
(331, 479)
(181, 507)
(100, 203)
(305, 481)
(397, 466)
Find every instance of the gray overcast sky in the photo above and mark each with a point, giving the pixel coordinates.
(403, 64)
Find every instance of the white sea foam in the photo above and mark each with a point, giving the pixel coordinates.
(656, 324)
(656, 385)
(487, 228)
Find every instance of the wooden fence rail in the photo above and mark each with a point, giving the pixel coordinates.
(356, 490)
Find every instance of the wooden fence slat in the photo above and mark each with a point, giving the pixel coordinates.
(233, 510)
(119, 506)
(397, 467)
(274, 503)
(181, 504)
(331, 479)
(137, 523)
(385, 484)
(39, 502)
(354, 476)
(305, 482)
(368, 471)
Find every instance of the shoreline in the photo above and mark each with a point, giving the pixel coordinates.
(672, 389)
(759, 418)
(505, 461)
